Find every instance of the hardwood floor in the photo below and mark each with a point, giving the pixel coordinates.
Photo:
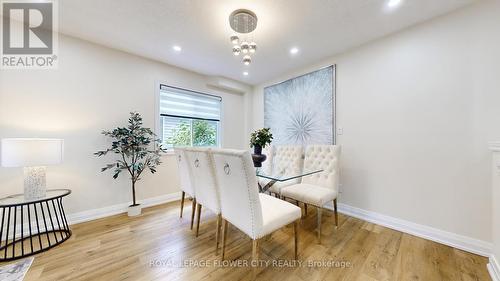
(153, 246)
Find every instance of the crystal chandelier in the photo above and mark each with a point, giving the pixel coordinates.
(243, 22)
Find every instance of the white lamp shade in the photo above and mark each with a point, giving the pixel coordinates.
(31, 152)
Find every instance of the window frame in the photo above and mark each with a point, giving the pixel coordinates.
(158, 122)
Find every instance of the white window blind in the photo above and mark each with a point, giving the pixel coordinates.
(175, 102)
(188, 118)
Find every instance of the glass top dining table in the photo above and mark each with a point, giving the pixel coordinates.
(282, 177)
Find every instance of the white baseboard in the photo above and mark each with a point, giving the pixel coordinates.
(465, 243)
(100, 213)
(494, 268)
(119, 208)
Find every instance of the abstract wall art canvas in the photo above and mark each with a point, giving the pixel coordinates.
(301, 111)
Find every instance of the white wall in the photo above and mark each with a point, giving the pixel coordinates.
(494, 265)
(93, 89)
(418, 109)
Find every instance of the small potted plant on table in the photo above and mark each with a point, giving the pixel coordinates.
(259, 140)
(138, 149)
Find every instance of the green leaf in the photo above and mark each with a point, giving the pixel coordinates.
(261, 137)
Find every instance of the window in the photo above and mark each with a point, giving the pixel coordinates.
(188, 118)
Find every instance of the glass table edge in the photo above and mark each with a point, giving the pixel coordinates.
(64, 192)
(287, 178)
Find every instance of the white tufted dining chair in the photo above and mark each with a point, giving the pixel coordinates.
(267, 165)
(254, 213)
(320, 188)
(185, 180)
(286, 160)
(203, 178)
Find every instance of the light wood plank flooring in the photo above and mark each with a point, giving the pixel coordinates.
(153, 246)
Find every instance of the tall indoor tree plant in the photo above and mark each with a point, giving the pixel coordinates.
(138, 150)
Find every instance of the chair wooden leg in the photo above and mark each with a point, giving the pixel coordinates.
(305, 208)
(296, 239)
(336, 212)
(224, 237)
(182, 202)
(217, 233)
(198, 219)
(319, 224)
(255, 258)
(193, 211)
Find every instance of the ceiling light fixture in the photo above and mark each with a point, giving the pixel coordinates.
(177, 48)
(294, 50)
(245, 48)
(393, 3)
(247, 60)
(252, 47)
(245, 73)
(235, 39)
(243, 22)
(236, 50)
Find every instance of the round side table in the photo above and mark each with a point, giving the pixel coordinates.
(30, 227)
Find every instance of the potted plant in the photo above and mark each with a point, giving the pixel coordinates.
(259, 139)
(138, 150)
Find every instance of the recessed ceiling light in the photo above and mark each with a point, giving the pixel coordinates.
(245, 73)
(393, 3)
(177, 48)
(294, 50)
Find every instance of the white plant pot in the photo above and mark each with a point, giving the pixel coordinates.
(134, 210)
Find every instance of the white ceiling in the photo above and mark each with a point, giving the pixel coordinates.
(319, 28)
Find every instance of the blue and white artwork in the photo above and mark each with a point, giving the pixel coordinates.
(301, 111)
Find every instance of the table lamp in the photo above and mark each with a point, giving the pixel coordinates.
(33, 155)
